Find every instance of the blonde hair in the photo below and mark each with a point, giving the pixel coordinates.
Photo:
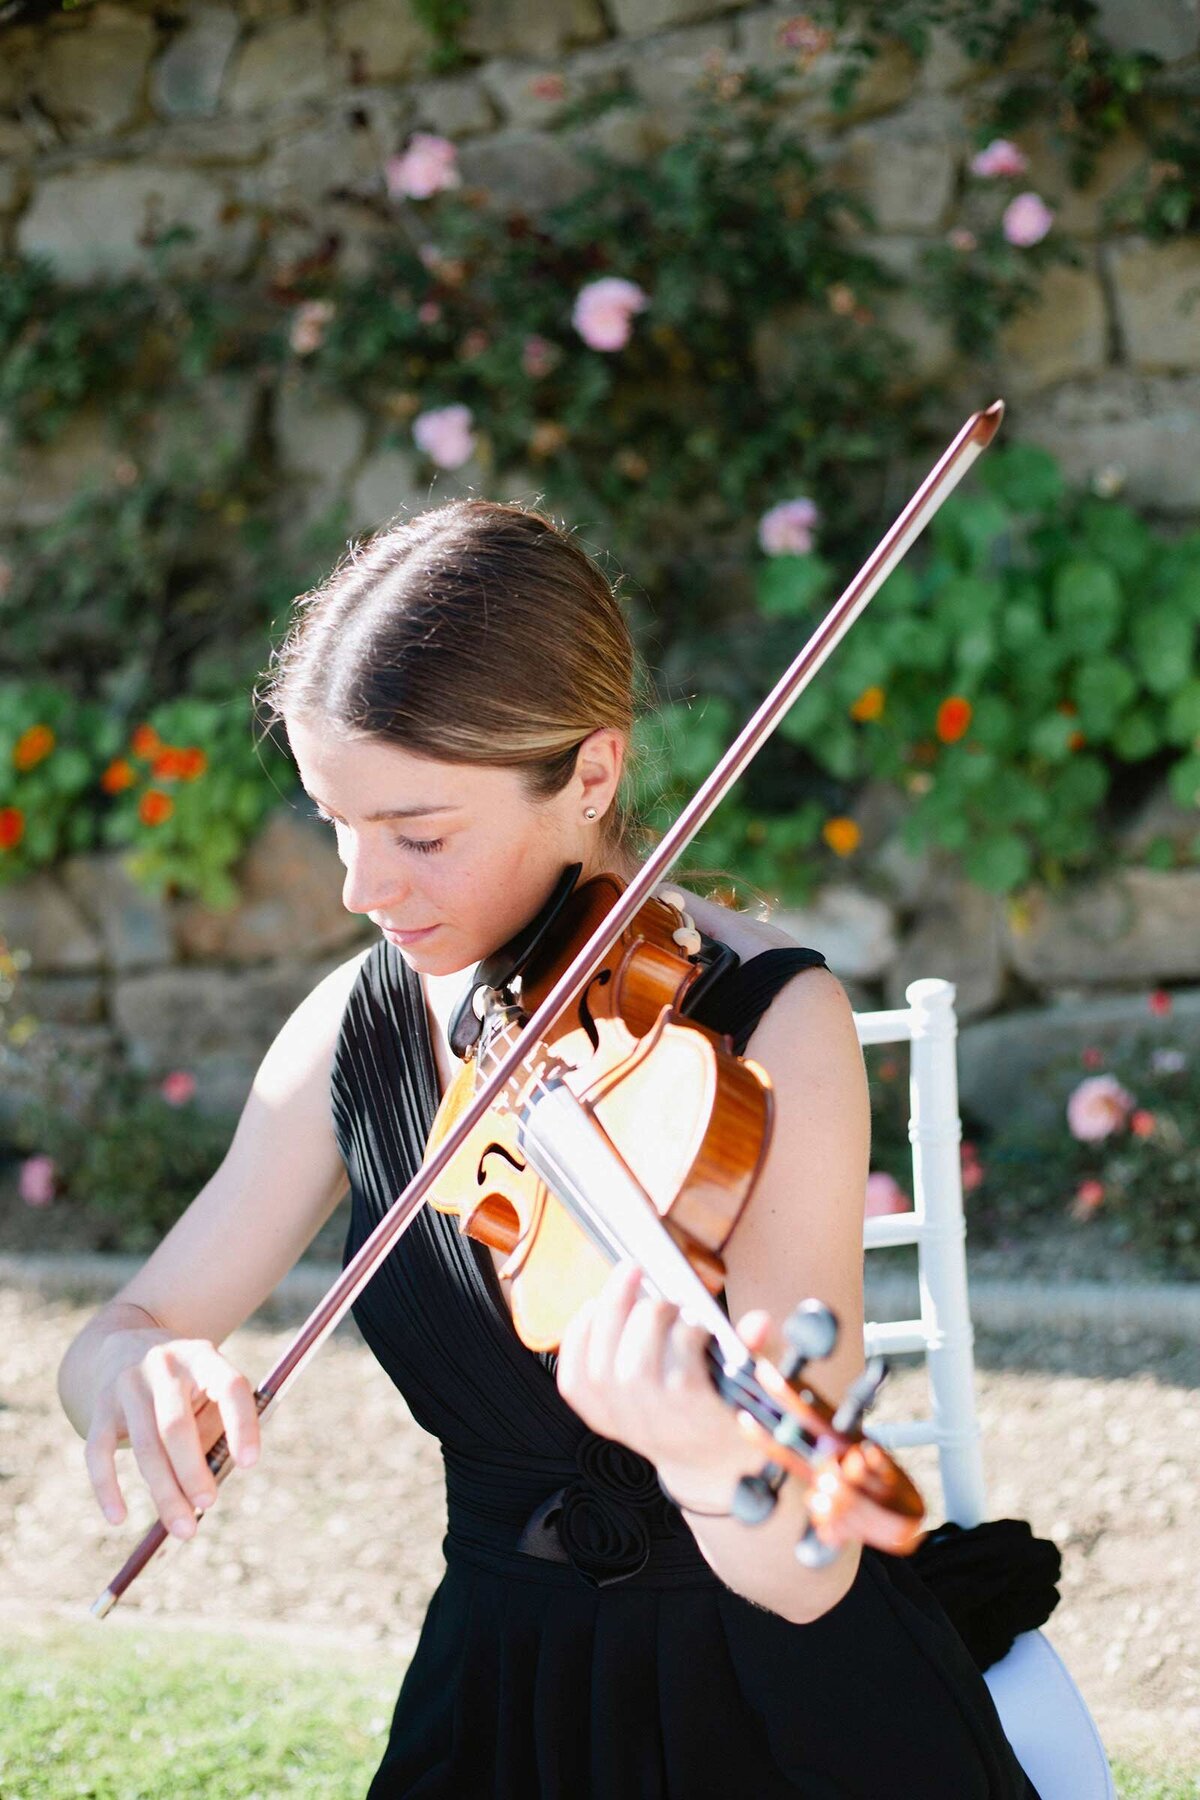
(475, 632)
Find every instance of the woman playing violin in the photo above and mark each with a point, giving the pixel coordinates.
(458, 699)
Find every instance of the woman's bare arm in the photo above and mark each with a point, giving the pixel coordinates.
(278, 1183)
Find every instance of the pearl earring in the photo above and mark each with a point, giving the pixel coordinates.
(590, 813)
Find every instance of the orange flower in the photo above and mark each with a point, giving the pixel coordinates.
(12, 827)
(192, 764)
(145, 742)
(953, 718)
(869, 704)
(167, 765)
(842, 836)
(155, 808)
(118, 776)
(33, 746)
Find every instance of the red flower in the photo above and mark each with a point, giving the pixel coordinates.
(12, 827)
(1092, 1058)
(145, 742)
(1088, 1196)
(178, 1087)
(953, 718)
(155, 808)
(192, 764)
(33, 746)
(1142, 1123)
(1160, 1003)
(118, 776)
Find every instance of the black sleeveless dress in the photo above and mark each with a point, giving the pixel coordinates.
(579, 1647)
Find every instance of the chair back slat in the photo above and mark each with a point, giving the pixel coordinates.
(937, 1227)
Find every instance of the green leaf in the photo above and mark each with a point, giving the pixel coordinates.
(1102, 689)
(788, 586)
(999, 863)
(1051, 736)
(1025, 477)
(1183, 714)
(1086, 602)
(1184, 781)
(1137, 735)
(1164, 645)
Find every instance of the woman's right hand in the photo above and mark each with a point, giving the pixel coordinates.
(170, 1399)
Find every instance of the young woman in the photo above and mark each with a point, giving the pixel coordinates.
(458, 700)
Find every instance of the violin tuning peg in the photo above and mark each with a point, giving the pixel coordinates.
(811, 1330)
(813, 1552)
(860, 1396)
(754, 1497)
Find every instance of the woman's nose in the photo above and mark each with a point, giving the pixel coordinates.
(373, 882)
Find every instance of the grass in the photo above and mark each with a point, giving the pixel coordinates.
(93, 1713)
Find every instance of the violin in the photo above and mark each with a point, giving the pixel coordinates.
(553, 1117)
(633, 1131)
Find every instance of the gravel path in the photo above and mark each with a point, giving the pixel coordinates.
(335, 1537)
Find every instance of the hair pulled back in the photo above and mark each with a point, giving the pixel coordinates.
(474, 632)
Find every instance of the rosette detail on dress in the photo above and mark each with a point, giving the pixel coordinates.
(601, 1521)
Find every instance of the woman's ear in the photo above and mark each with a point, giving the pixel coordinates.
(598, 766)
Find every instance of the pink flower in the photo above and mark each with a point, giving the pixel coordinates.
(1142, 1123)
(1160, 1003)
(963, 240)
(426, 167)
(444, 434)
(604, 310)
(539, 356)
(474, 343)
(1027, 219)
(1091, 1058)
(786, 530)
(178, 1087)
(971, 1168)
(1098, 1107)
(37, 1180)
(310, 322)
(429, 312)
(1000, 158)
(1088, 1196)
(548, 87)
(885, 1195)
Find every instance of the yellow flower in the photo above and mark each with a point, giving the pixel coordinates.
(869, 704)
(842, 836)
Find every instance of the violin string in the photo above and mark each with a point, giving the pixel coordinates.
(748, 1389)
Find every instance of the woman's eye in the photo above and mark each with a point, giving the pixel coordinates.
(423, 846)
(314, 812)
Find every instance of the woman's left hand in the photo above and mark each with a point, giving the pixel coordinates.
(635, 1373)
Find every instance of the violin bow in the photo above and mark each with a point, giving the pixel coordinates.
(973, 438)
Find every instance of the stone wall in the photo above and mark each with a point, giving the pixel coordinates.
(263, 127)
(119, 977)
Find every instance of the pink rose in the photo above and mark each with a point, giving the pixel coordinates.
(37, 1180)
(178, 1087)
(426, 167)
(1000, 158)
(1027, 219)
(604, 310)
(786, 530)
(885, 1195)
(1098, 1107)
(310, 322)
(972, 1171)
(444, 434)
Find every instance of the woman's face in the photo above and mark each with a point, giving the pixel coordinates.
(450, 860)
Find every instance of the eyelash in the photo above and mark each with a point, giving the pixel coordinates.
(422, 846)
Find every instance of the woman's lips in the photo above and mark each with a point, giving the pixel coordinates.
(406, 937)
